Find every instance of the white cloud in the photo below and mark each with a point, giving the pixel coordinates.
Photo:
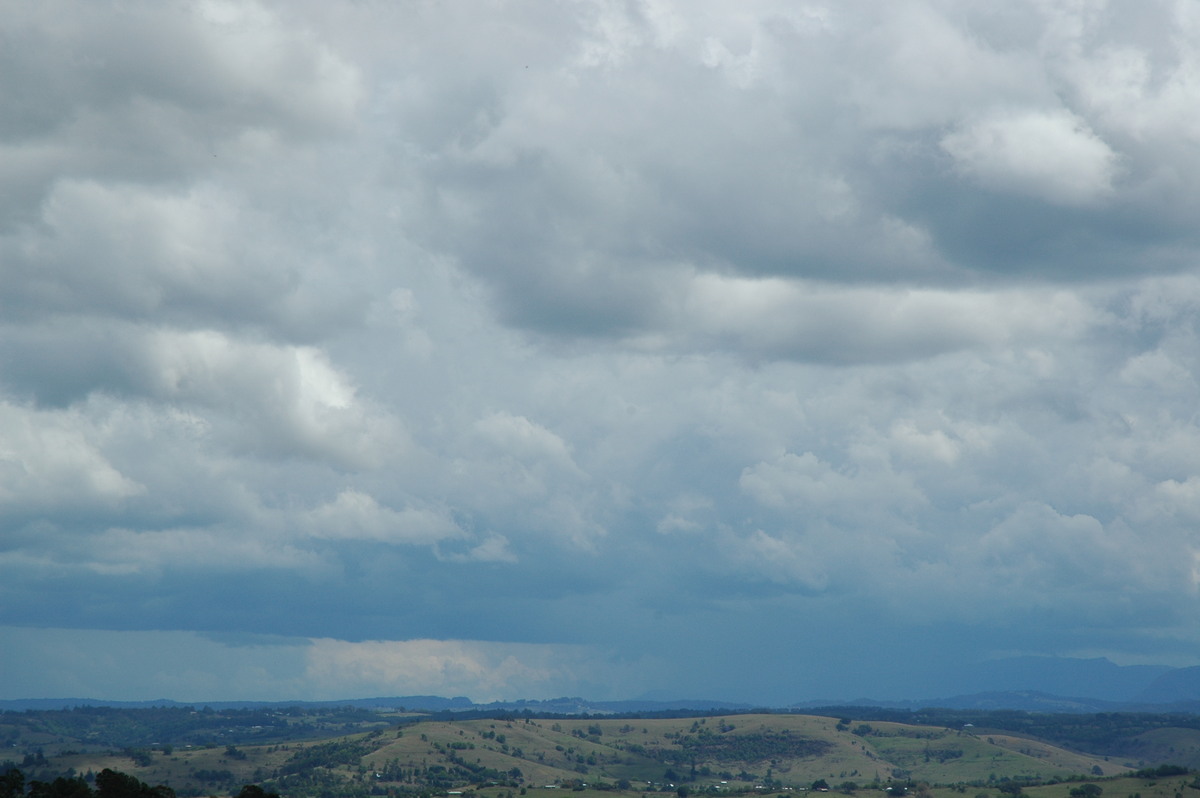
(480, 670)
(136, 251)
(127, 552)
(933, 445)
(53, 461)
(795, 481)
(812, 321)
(1159, 371)
(1050, 155)
(249, 46)
(1183, 498)
(1024, 557)
(281, 400)
(522, 439)
(494, 548)
(357, 516)
(790, 561)
(924, 65)
(155, 94)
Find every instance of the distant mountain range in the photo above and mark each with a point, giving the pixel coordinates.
(1096, 678)
(424, 703)
(1037, 684)
(1061, 684)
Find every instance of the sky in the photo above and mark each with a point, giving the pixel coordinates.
(759, 351)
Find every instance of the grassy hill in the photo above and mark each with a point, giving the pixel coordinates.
(1179, 746)
(717, 754)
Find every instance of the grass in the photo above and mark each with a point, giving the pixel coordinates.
(786, 752)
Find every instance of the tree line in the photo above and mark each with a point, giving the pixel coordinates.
(108, 784)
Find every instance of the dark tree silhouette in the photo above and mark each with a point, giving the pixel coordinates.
(254, 791)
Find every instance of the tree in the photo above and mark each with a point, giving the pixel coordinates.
(61, 787)
(114, 784)
(12, 783)
(254, 791)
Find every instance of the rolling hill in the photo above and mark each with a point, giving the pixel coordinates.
(401, 754)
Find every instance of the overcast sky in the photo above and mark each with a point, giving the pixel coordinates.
(759, 350)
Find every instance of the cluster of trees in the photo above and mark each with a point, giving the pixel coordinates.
(108, 784)
(329, 755)
(317, 783)
(942, 754)
(761, 747)
(141, 727)
(463, 770)
(1161, 772)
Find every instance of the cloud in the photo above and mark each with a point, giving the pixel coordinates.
(778, 318)
(148, 665)
(142, 252)
(520, 438)
(483, 671)
(53, 462)
(125, 552)
(264, 667)
(559, 348)
(269, 399)
(357, 516)
(1050, 156)
(800, 481)
(154, 95)
(902, 163)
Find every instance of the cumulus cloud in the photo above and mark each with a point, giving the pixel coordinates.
(520, 438)
(1051, 156)
(815, 322)
(154, 95)
(356, 515)
(273, 400)
(53, 461)
(843, 178)
(141, 252)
